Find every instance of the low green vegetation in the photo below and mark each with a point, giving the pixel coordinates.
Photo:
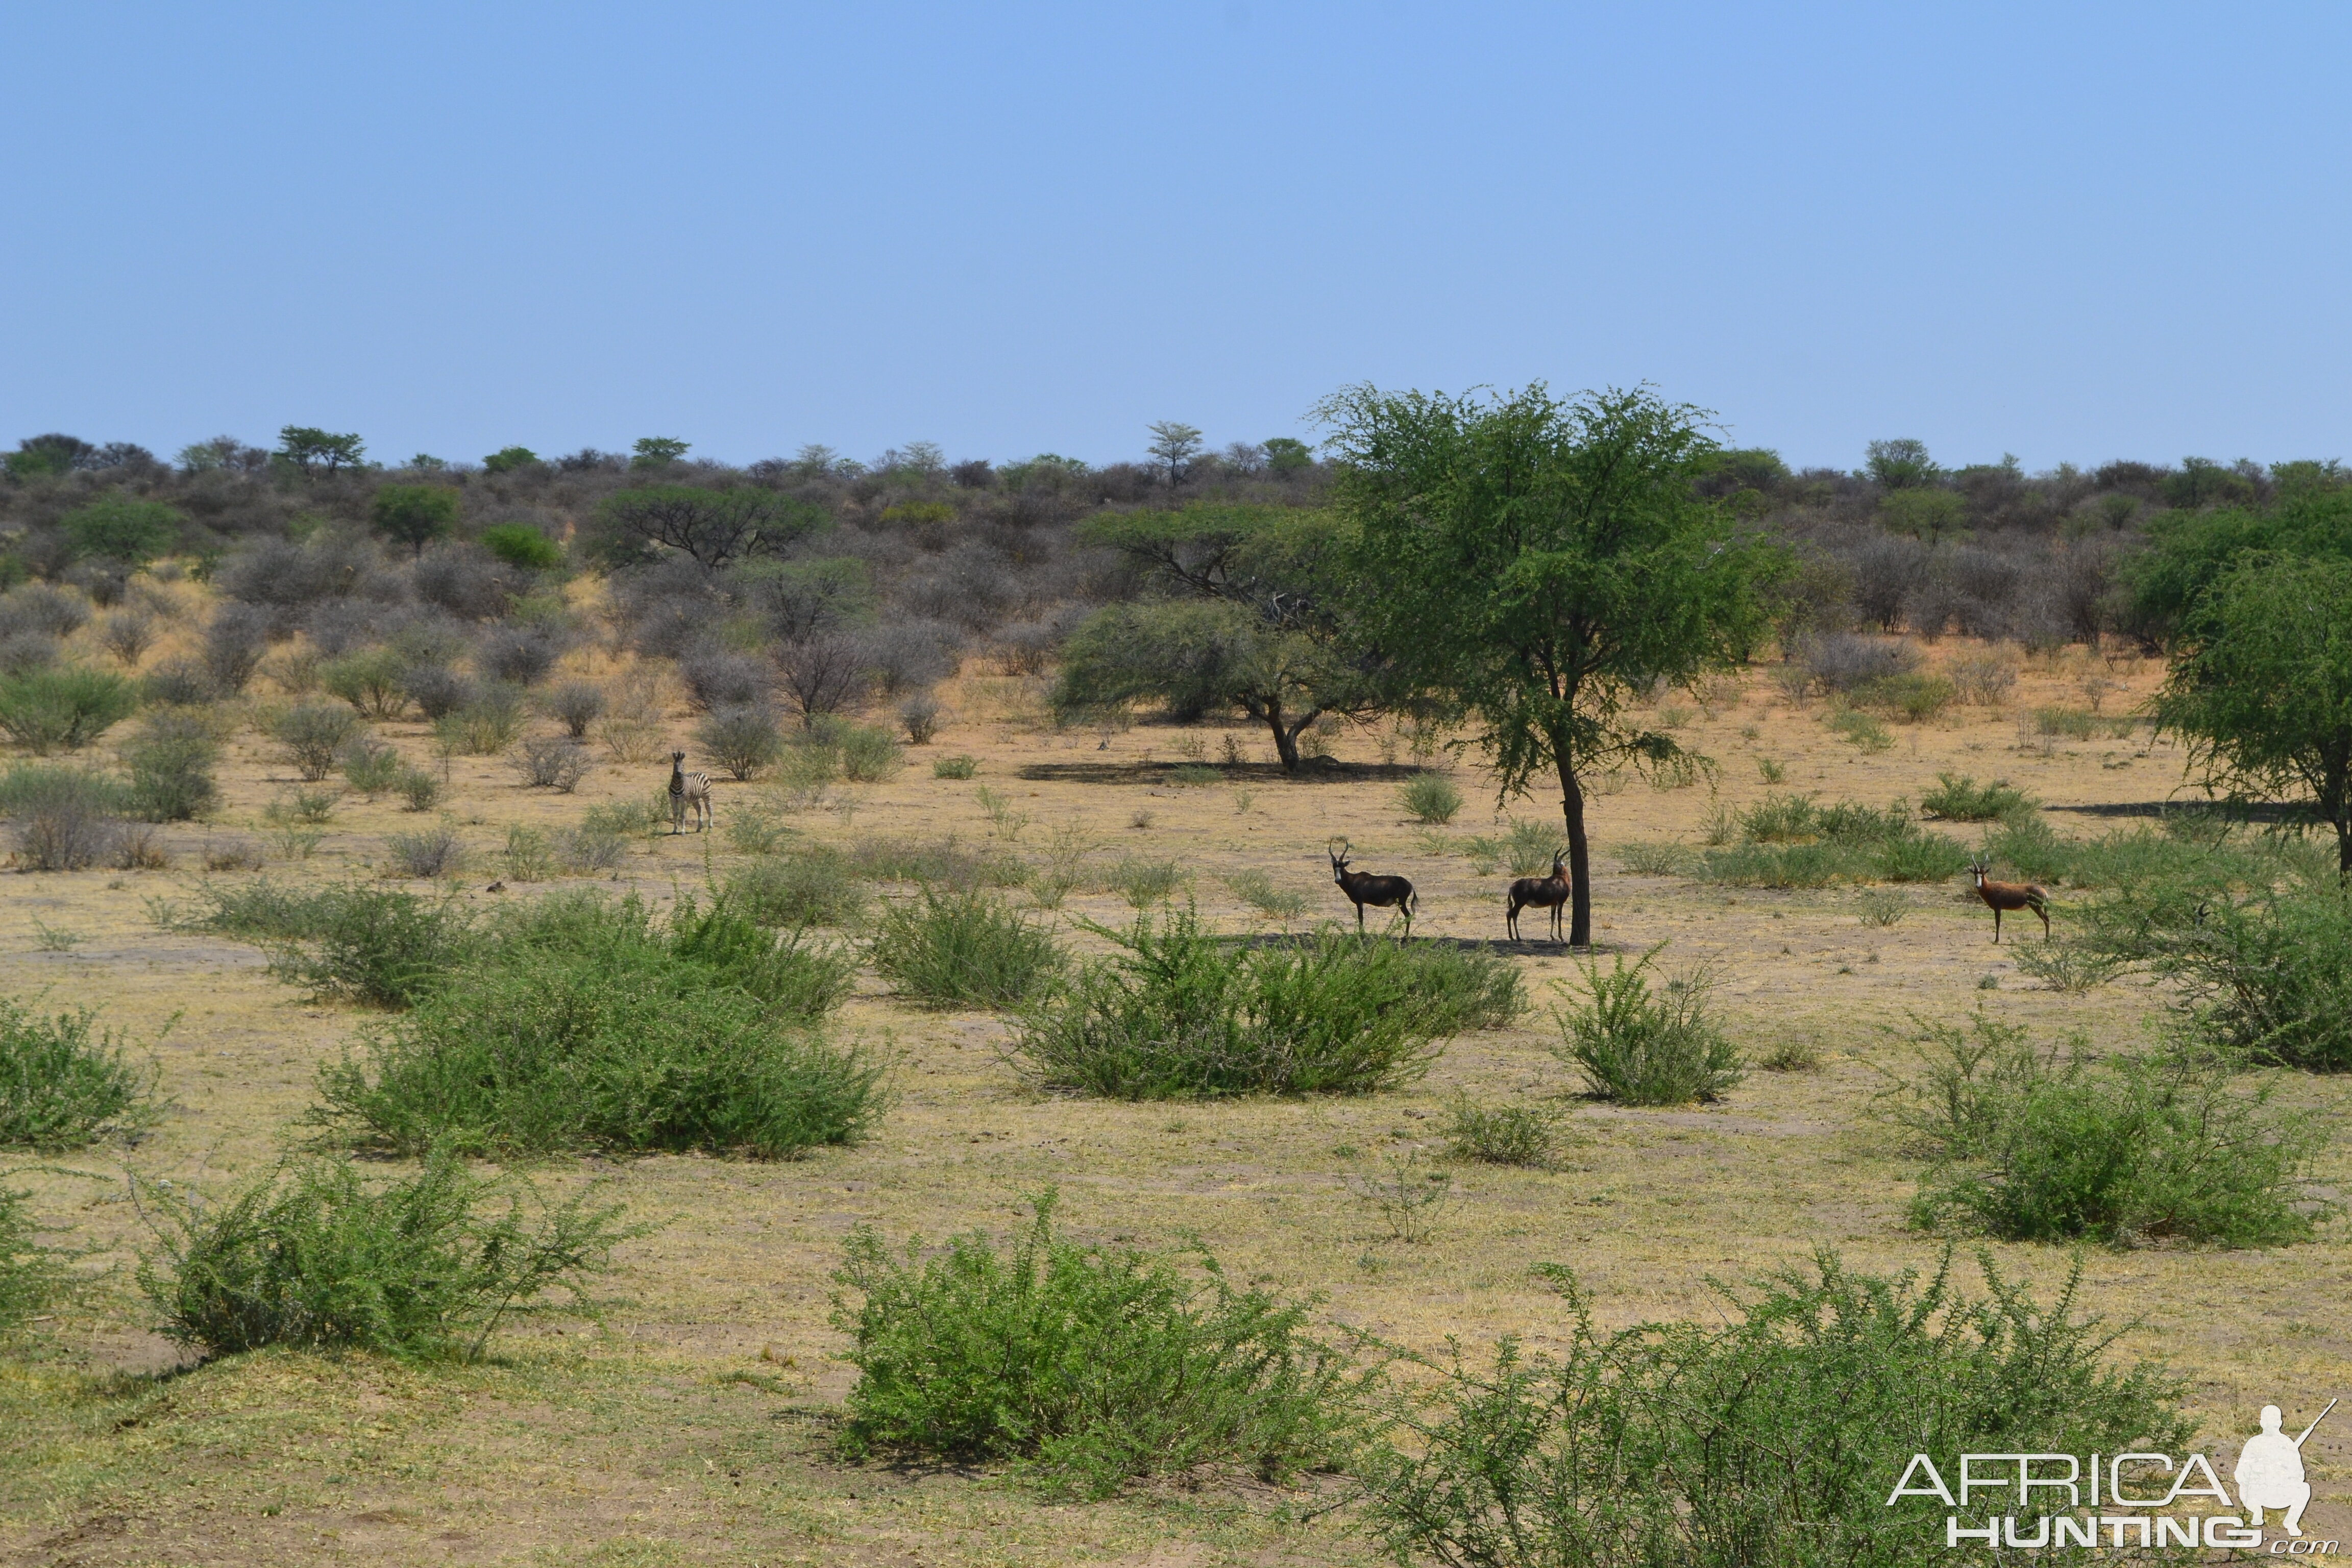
(1858, 729)
(1086, 1366)
(1179, 1014)
(2032, 1145)
(1642, 1047)
(1430, 798)
(956, 767)
(1957, 798)
(961, 947)
(1256, 889)
(1771, 1432)
(579, 1022)
(1505, 1134)
(1524, 850)
(64, 707)
(427, 1266)
(64, 1083)
(812, 886)
(1911, 696)
(1790, 841)
(375, 946)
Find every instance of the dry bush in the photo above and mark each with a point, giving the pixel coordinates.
(551, 762)
(1983, 677)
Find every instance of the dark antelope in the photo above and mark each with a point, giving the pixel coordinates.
(686, 790)
(2011, 896)
(1363, 888)
(1543, 892)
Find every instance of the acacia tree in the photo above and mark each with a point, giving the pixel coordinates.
(2261, 686)
(715, 527)
(1248, 618)
(415, 514)
(1534, 564)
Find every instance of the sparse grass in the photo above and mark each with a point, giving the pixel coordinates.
(1638, 1046)
(581, 1023)
(961, 947)
(1881, 907)
(958, 767)
(427, 1266)
(1086, 1366)
(937, 863)
(1643, 1447)
(1177, 1014)
(1430, 798)
(1662, 857)
(1858, 730)
(64, 1083)
(1256, 889)
(1409, 1194)
(1506, 1134)
(1194, 776)
(1143, 882)
(1789, 1053)
(2051, 1146)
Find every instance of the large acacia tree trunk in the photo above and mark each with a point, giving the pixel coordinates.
(1580, 853)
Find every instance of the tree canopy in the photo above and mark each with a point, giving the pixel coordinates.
(310, 450)
(117, 527)
(1535, 563)
(2188, 551)
(2262, 685)
(713, 526)
(1247, 615)
(415, 514)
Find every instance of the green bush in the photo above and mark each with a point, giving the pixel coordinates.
(32, 1275)
(117, 527)
(428, 1265)
(939, 863)
(1643, 1047)
(745, 740)
(371, 767)
(1657, 858)
(1778, 865)
(1088, 1367)
(1957, 798)
(815, 886)
(171, 762)
(953, 767)
(2265, 979)
(1177, 1014)
(1143, 882)
(1429, 797)
(1505, 1135)
(519, 544)
(581, 1023)
(373, 680)
(960, 948)
(1911, 697)
(431, 852)
(311, 736)
(63, 1084)
(1771, 1433)
(64, 820)
(2067, 724)
(65, 707)
(1792, 841)
(484, 727)
(417, 789)
(869, 755)
(2033, 1146)
(1195, 776)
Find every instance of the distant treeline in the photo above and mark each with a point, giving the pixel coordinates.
(885, 573)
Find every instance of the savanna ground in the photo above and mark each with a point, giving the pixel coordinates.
(693, 1425)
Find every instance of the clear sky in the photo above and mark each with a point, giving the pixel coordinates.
(2069, 232)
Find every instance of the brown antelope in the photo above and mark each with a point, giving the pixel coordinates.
(2011, 896)
(1363, 888)
(1544, 892)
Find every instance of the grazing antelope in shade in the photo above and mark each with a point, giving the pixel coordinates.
(688, 790)
(1363, 888)
(2011, 896)
(1543, 892)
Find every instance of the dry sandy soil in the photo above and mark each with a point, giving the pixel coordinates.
(691, 1427)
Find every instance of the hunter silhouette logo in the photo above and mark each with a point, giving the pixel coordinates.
(2270, 1471)
(2045, 1500)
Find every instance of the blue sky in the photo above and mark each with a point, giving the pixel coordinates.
(2066, 232)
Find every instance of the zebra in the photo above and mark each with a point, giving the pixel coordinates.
(688, 789)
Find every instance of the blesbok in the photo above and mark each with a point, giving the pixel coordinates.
(1363, 888)
(2011, 896)
(688, 789)
(1543, 892)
